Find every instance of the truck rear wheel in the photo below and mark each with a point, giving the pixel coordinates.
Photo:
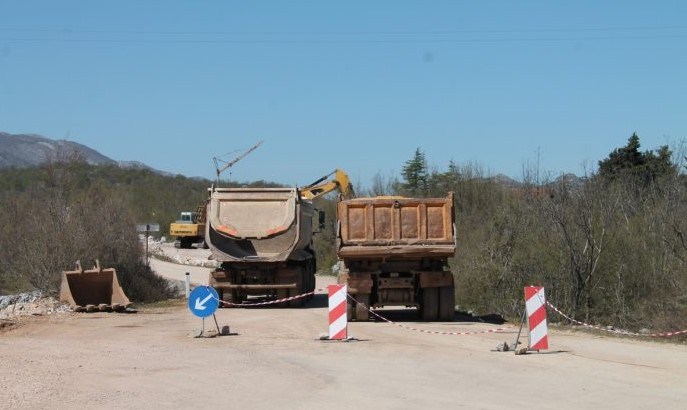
(282, 294)
(350, 310)
(362, 314)
(310, 278)
(429, 308)
(222, 297)
(295, 302)
(220, 292)
(300, 279)
(447, 302)
(225, 296)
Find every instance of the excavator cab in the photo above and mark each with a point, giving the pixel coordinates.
(188, 218)
(321, 217)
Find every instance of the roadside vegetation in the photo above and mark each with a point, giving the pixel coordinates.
(68, 210)
(610, 246)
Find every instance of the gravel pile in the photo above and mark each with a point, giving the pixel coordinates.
(31, 303)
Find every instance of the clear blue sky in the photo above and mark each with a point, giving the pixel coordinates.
(351, 84)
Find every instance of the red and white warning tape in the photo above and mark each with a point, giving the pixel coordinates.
(433, 332)
(382, 318)
(616, 331)
(269, 302)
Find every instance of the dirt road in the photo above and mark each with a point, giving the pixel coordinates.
(198, 275)
(274, 360)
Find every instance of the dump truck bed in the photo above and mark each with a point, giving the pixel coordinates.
(393, 251)
(393, 226)
(257, 224)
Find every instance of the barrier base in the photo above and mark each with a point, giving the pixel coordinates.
(324, 337)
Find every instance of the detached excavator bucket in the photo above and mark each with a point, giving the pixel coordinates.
(93, 290)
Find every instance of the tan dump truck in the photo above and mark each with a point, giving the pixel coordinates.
(394, 251)
(263, 239)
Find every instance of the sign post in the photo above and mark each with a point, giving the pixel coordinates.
(147, 228)
(187, 285)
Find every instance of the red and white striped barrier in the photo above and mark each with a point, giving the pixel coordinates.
(535, 301)
(338, 321)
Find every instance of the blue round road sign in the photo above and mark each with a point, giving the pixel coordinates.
(203, 301)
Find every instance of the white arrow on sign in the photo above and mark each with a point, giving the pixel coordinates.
(201, 305)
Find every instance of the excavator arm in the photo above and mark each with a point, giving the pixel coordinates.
(336, 180)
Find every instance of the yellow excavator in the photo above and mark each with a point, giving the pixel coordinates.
(190, 228)
(339, 181)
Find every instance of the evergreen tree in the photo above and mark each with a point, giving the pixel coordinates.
(415, 176)
(629, 162)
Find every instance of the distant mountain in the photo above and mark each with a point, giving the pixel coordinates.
(571, 180)
(506, 180)
(30, 150)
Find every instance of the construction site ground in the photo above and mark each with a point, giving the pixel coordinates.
(274, 359)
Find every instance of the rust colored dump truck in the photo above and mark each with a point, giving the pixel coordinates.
(262, 237)
(394, 251)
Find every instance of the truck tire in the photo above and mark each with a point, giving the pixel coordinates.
(447, 303)
(429, 308)
(350, 310)
(362, 314)
(310, 279)
(295, 303)
(300, 279)
(311, 288)
(282, 294)
(220, 295)
(230, 296)
(313, 279)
